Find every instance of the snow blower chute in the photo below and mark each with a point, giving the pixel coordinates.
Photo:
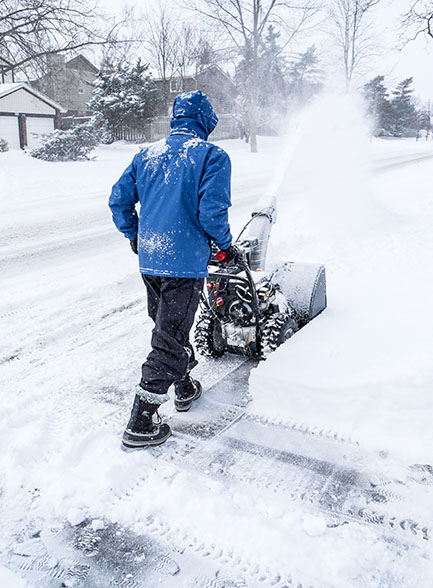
(249, 311)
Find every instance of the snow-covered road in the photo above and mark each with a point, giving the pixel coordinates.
(52, 249)
(239, 496)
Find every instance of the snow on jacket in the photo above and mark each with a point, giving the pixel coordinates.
(183, 186)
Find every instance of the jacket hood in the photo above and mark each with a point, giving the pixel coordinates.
(193, 113)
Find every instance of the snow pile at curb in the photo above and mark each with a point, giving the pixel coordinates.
(362, 369)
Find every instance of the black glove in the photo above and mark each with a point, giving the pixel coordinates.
(134, 245)
(229, 255)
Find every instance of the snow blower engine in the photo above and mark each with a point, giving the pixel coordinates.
(249, 311)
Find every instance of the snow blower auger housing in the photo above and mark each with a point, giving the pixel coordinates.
(248, 311)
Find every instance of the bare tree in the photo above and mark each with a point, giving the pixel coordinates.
(174, 47)
(32, 29)
(186, 51)
(162, 39)
(418, 20)
(350, 31)
(244, 23)
(125, 44)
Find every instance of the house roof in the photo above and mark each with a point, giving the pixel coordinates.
(86, 62)
(6, 89)
(217, 68)
(193, 73)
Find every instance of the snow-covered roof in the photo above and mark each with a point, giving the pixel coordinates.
(8, 88)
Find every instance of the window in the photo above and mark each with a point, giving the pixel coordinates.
(176, 85)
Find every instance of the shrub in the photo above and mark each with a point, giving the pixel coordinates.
(72, 145)
(3, 145)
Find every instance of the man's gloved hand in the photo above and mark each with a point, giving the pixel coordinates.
(134, 245)
(229, 255)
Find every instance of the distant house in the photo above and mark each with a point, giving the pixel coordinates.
(26, 115)
(6, 71)
(210, 79)
(69, 83)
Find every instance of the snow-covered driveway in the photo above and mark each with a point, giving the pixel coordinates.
(262, 493)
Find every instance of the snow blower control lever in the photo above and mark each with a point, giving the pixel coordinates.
(229, 255)
(221, 256)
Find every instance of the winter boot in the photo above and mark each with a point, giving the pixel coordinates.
(141, 430)
(186, 391)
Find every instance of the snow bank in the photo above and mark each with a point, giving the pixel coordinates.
(364, 367)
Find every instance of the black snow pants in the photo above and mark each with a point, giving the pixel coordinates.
(172, 304)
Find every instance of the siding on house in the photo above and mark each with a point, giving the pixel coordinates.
(69, 83)
(23, 101)
(25, 115)
(211, 79)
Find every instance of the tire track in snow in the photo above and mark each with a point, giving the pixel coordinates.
(322, 487)
(233, 560)
(21, 310)
(332, 489)
(88, 322)
(328, 489)
(163, 554)
(200, 446)
(397, 161)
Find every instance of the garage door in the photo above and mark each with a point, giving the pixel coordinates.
(36, 128)
(9, 130)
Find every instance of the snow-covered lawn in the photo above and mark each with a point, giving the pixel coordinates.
(74, 333)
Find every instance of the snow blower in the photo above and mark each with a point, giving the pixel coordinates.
(251, 312)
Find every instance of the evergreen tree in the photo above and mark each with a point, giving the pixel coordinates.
(204, 53)
(305, 78)
(423, 123)
(269, 76)
(379, 108)
(273, 73)
(125, 96)
(404, 112)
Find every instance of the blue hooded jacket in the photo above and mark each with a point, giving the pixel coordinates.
(183, 186)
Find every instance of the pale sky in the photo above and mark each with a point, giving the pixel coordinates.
(415, 59)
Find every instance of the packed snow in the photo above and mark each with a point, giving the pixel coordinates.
(75, 332)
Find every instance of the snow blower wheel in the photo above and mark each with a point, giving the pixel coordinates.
(277, 329)
(208, 336)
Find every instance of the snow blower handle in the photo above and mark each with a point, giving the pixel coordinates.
(231, 254)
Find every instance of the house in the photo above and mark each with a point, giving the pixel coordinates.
(26, 115)
(6, 71)
(69, 83)
(211, 79)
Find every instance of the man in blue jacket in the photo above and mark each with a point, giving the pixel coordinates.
(183, 186)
